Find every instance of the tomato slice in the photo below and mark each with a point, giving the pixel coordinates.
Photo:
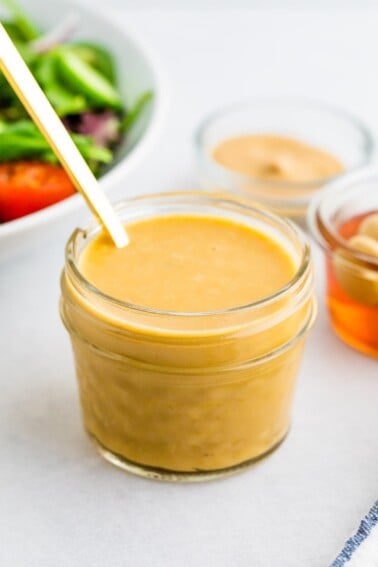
(28, 186)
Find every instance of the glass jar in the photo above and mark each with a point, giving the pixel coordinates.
(352, 276)
(188, 396)
(318, 124)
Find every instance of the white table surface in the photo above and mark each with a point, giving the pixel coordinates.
(60, 504)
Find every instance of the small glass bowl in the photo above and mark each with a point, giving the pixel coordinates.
(352, 276)
(321, 125)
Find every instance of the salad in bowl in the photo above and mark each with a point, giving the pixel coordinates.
(108, 102)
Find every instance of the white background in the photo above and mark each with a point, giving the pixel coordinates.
(60, 504)
(243, 4)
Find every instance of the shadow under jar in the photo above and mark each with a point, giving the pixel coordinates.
(188, 395)
(336, 218)
(297, 147)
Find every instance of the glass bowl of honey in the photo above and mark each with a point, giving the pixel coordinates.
(279, 151)
(344, 221)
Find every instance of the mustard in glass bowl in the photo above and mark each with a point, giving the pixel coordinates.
(279, 151)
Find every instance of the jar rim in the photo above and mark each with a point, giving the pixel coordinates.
(289, 101)
(199, 197)
(321, 227)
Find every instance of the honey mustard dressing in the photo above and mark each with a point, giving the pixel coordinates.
(177, 372)
(188, 264)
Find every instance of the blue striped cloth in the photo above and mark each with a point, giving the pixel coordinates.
(361, 550)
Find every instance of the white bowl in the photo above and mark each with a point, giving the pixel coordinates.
(137, 71)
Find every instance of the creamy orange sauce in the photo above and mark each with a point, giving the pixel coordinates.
(276, 158)
(188, 264)
(183, 400)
